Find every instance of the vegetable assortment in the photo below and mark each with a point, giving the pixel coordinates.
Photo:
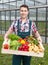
(27, 44)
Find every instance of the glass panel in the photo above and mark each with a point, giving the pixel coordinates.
(32, 14)
(7, 19)
(12, 0)
(20, 2)
(37, 3)
(12, 5)
(1, 6)
(43, 2)
(29, 3)
(18, 14)
(47, 1)
(47, 13)
(12, 15)
(3, 21)
(2, 27)
(7, 15)
(0, 1)
(2, 15)
(42, 14)
(5, 1)
(6, 5)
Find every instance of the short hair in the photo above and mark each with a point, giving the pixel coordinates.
(25, 6)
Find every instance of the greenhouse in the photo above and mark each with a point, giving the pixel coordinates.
(18, 47)
(38, 12)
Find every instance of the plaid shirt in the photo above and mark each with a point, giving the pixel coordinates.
(24, 26)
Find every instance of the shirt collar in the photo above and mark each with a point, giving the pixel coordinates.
(27, 20)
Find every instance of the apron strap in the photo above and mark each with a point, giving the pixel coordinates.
(18, 27)
(30, 22)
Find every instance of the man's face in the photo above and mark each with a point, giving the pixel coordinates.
(23, 12)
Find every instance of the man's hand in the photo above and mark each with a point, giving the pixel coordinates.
(40, 43)
(41, 46)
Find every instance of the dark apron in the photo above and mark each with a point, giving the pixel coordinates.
(17, 58)
(23, 34)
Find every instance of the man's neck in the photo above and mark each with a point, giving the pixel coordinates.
(24, 19)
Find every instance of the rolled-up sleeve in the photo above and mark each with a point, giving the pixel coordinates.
(34, 28)
(12, 25)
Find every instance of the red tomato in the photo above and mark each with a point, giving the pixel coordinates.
(6, 46)
(20, 48)
(25, 47)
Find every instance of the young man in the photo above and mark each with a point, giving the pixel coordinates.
(23, 27)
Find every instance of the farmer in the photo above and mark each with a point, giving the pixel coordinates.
(23, 27)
